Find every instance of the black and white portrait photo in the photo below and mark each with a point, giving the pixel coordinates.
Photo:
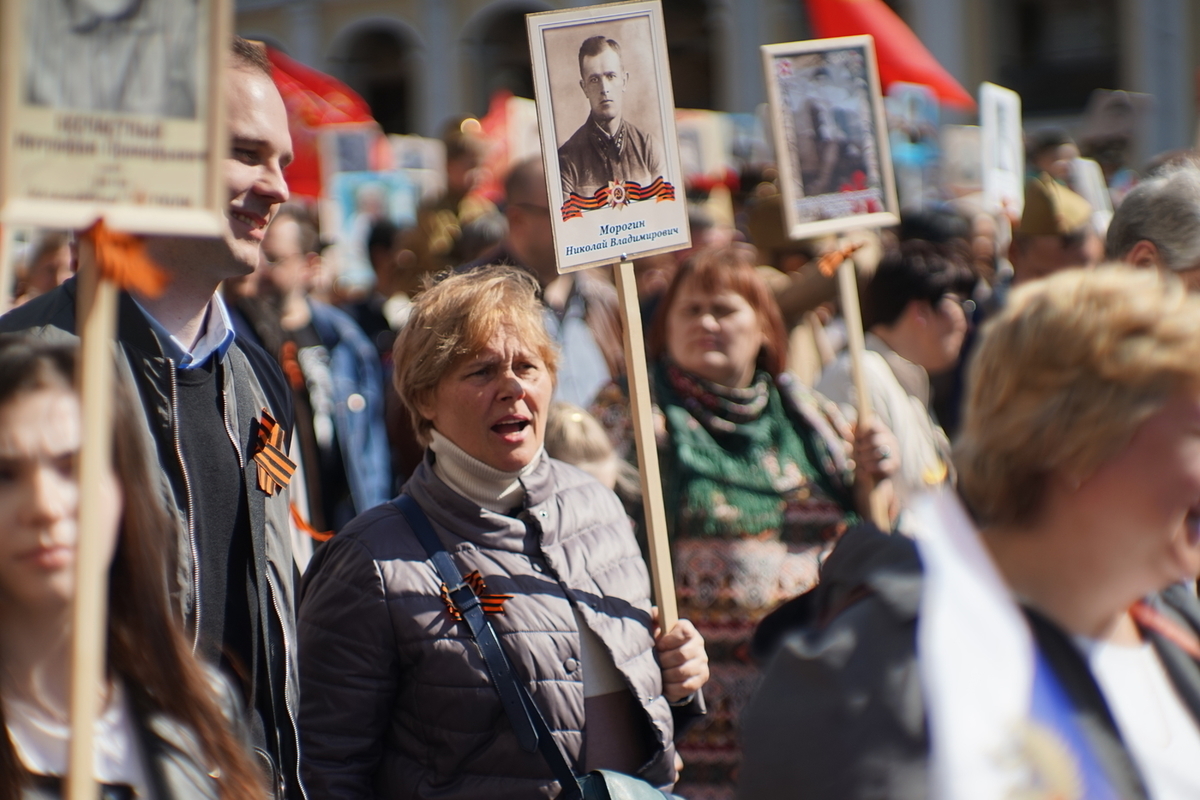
(107, 110)
(606, 117)
(833, 151)
(128, 56)
(607, 149)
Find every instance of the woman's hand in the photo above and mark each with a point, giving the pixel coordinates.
(876, 454)
(682, 657)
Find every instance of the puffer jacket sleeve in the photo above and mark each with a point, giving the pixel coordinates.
(349, 671)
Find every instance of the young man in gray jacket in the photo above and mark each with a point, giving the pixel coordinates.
(210, 402)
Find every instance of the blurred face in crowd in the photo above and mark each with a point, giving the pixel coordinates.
(260, 148)
(1036, 257)
(493, 404)
(716, 336)
(1146, 500)
(39, 500)
(603, 80)
(1057, 160)
(49, 271)
(946, 329)
(285, 269)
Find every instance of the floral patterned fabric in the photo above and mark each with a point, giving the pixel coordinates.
(757, 489)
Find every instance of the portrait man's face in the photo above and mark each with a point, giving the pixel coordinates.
(603, 80)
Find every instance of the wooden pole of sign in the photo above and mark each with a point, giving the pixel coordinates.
(6, 268)
(851, 313)
(661, 574)
(97, 325)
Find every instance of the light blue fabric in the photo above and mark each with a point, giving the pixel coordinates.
(582, 370)
(216, 337)
(361, 434)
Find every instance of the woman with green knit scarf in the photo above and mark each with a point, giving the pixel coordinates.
(758, 476)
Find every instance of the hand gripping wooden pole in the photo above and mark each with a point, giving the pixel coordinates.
(662, 576)
(97, 325)
(851, 313)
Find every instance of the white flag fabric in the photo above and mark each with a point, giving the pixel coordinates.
(975, 656)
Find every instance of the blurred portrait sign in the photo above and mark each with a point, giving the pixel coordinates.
(109, 109)
(831, 136)
(1003, 149)
(606, 115)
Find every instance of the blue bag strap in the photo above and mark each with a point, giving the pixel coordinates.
(530, 727)
(527, 722)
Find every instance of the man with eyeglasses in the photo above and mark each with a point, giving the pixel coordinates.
(582, 314)
(334, 375)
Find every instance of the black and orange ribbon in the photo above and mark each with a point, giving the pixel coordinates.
(121, 258)
(628, 192)
(829, 263)
(275, 469)
(1151, 619)
(492, 603)
(302, 524)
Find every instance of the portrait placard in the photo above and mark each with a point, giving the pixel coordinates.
(1003, 149)
(606, 115)
(109, 110)
(831, 136)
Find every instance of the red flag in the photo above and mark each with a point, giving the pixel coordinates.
(901, 55)
(313, 99)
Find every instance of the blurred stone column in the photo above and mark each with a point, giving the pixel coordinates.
(1154, 59)
(740, 29)
(439, 79)
(304, 20)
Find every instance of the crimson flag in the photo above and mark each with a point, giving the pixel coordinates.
(313, 100)
(901, 55)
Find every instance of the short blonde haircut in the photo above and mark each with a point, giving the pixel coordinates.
(1063, 378)
(454, 319)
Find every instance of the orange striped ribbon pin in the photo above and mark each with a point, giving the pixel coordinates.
(492, 603)
(274, 468)
(1150, 618)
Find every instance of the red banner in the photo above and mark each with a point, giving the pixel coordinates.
(901, 55)
(313, 100)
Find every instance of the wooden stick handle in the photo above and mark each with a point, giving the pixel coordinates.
(6, 268)
(851, 313)
(97, 325)
(661, 574)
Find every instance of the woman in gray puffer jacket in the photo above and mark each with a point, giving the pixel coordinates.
(396, 698)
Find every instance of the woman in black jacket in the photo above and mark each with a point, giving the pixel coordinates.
(162, 732)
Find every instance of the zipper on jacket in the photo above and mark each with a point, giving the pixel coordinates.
(191, 510)
(237, 447)
(287, 692)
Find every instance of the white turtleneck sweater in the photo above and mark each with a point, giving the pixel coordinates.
(491, 488)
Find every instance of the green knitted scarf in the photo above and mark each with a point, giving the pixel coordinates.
(738, 464)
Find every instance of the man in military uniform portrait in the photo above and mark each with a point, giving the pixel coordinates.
(607, 151)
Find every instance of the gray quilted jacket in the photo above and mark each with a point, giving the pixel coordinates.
(396, 699)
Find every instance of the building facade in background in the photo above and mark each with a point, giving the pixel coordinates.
(420, 62)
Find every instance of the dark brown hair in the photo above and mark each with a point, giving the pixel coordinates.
(145, 645)
(720, 270)
(250, 55)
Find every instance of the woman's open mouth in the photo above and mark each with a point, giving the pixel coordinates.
(511, 425)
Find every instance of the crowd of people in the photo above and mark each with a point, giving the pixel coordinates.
(433, 584)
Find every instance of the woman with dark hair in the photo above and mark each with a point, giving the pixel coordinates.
(162, 732)
(758, 479)
(915, 312)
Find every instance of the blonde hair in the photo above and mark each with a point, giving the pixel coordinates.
(1064, 376)
(576, 437)
(455, 318)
